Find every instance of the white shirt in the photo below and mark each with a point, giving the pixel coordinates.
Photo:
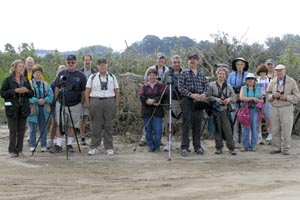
(95, 85)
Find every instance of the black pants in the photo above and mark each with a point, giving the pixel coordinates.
(16, 128)
(191, 119)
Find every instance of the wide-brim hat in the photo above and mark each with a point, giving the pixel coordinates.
(250, 76)
(237, 59)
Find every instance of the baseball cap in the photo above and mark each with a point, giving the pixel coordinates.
(270, 61)
(161, 55)
(102, 60)
(194, 56)
(71, 57)
(279, 67)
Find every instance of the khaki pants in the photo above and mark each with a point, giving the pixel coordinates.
(282, 124)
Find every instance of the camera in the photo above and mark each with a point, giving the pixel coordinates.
(264, 99)
(158, 78)
(281, 93)
(237, 89)
(63, 80)
(252, 104)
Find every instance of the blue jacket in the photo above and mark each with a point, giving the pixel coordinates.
(40, 92)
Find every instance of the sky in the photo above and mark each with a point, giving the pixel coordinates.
(68, 25)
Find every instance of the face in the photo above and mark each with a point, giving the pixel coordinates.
(37, 75)
(19, 69)
(240, 65)
(221, 75)
(270, 66)
(102, 68)
(87, 62)
(280, 73)
(250, 81)
(161, 61)
(29, 64)
(193, 63)
(152, 77)
(71, 65)
(262, 74)
(176, 63)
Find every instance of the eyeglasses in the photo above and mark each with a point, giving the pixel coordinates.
(71, 62)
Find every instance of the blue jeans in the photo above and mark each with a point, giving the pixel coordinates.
(32, 131)
(153, 131)
(253, 127)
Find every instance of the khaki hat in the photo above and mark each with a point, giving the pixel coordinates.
(233, 66)
(250, 76)
(279, 67)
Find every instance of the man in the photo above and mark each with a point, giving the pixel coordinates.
(271, 74)
(102, 96)
(29, 62)
(73, 82)
(282, 92)
(193, 87)
(160, 66)
(172, 77)
(87, 71)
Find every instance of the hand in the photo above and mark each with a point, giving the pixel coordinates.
(283, 97)
(21, 90)
(220, 101)
(41, 101)
(150, 101)
(227, 101)
(276, 95)
(86, 104)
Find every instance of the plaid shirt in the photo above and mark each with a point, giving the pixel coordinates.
(190, 83)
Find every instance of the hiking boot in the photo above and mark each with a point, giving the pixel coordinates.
(93, 151)
(57, 149)
(151, 149)
(70, 148)
(184, 152)
(218, 151)
(232, 152)
(285, 152)
(199, 151)
(275, 151)
(110, 152)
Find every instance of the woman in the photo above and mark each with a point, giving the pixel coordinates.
(151, 95)
(222, 95)
(237, 79)
(250, 94)
(16, 91)
(263, 83)
(40, 108)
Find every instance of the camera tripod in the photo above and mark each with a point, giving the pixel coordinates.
(62, 121)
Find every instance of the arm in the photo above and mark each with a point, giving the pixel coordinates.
(6, 91)
(50, 96)
(87, 97)
(117, 97)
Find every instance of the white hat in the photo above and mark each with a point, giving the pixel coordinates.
(250, 75)
(280, 66)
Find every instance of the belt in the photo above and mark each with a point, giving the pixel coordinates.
(103, 98)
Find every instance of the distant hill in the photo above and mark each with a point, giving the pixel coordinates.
(96, 50)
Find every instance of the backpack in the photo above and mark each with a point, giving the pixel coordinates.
(244, 116)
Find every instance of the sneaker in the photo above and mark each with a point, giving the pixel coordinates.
(260, 141)
(157, 150)
(232, 152)
(110, 152)
(184, 152)
(253, 149)
(199, 151)
(218, 151)
(20, 155)
(268, 141)
(244, 149)
(43, 149)
(166, 148)
(275, 151)
(93, 151)
(31, 149)
(151, 149)
(70, 148)
(57, 149)
(142, 142)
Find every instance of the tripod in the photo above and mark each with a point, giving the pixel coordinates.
(62, 121)
(295, 121)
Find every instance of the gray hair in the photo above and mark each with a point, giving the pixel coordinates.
(175, 57)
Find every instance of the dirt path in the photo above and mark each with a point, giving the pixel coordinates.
(141, 175)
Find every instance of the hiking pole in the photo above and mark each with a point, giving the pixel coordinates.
(152, 115)
(170, 120)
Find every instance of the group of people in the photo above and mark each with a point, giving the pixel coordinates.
(77, 94)
(236, 100)
(73, 95)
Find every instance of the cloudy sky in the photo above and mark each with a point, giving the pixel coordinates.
(70, 25)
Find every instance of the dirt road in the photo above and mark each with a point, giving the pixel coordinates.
(141, 175)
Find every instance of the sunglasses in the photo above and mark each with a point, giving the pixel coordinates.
(71, 62)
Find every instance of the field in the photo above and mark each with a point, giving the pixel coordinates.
(141, 175)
